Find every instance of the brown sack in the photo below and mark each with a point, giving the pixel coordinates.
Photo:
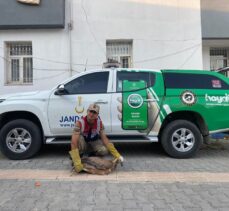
(97, 165)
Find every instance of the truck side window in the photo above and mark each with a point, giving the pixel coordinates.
(148, 77)
(193, 81)
(87, 84)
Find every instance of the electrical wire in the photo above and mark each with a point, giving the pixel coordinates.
(89, 27)
(40, 69)
(192, 54)
(56, 75)
(67, 63)
(140, 61)
(164, 40)
(60, 62)
(63, 71)
(167, 55)
(48, 77)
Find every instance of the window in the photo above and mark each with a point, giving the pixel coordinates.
(149, 78)
(218, 58)
(120, 51)
(19, 67)
(87, 84)
(193, 81)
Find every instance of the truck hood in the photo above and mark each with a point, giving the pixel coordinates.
(26, 95)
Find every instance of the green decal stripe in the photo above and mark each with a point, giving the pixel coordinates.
(156, 97)
(154, 94)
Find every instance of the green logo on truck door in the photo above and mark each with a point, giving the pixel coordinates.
(135, 101)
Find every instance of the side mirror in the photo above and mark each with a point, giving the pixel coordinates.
(60, 90)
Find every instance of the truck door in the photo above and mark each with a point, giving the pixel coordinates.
(64, 110)
(153, 100)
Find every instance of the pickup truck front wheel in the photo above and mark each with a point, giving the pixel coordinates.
(181, 139)
(20, 139)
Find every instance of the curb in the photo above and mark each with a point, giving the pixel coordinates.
(133, 176)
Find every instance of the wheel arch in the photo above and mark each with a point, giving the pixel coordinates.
(191, 116)
(13, 115)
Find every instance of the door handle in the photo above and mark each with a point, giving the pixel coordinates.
(101, 102)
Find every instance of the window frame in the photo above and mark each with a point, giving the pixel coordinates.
(218, 55)
(107, 88)
(8, 64)
(119, 56)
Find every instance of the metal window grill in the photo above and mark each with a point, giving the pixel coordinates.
(20, 49)
(15, 70)
(218, 58)
(116, 50)
(27, 70)
(218, 52)
(20, 62)
(125, 61)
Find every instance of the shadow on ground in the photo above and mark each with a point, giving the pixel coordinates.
(138, 157)
(129, 149)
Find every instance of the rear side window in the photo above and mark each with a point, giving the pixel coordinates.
(148, 77)
(193, 81)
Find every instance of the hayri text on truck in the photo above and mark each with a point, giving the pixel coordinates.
(175, 107)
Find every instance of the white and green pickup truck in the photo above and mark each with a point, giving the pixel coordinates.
(178, 108)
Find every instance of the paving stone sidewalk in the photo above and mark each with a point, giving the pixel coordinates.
(138, 157)
(60, 195)
(97, 196)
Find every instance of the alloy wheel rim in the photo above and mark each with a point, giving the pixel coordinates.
(183, 139)
(18, 140)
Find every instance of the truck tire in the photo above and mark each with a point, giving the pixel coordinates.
(181, 139)
(20, 139)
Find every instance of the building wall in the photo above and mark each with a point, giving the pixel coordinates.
(47, 45)
(215, 19)
(206, 57)
(215, 31)
(165, 34)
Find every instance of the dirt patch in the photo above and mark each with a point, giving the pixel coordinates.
(215, 145)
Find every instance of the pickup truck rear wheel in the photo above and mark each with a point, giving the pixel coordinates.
(181, 139)
(20, 139)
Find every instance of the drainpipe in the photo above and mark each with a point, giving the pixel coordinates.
(70, 28)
